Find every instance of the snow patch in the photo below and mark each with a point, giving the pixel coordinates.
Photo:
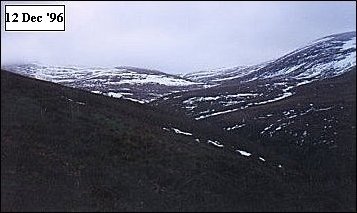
(181, 132)
(215, 143)
(285, 95)
(235, 127)
(244, 153)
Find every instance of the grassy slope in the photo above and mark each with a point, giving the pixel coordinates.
(112, 154)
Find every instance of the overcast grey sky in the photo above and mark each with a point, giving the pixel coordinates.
(177, 37)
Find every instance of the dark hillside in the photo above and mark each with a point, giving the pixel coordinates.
(64, 149)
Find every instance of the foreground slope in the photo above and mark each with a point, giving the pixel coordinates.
(66, 149)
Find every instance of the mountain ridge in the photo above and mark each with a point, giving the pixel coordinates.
(328, 47)
(324, 57)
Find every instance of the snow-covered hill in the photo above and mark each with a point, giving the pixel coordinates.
(249, 86)
(323, 58)
(282, 92)
(218, 76)
(141, 85)
(329, 56)
(326, 57)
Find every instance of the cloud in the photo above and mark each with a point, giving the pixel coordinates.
(178, 37)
